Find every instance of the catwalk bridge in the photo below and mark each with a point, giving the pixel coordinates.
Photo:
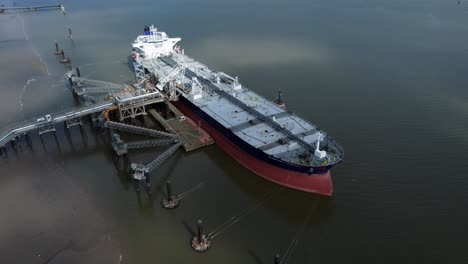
(47, 123)
(129, 101)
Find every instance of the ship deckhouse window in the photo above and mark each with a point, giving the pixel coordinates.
(139, 51)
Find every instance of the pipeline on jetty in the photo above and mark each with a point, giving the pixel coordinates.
(15, 9)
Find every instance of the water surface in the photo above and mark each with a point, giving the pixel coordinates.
(387, 79)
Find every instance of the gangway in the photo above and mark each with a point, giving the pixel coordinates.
(84, 86)
(121, 147)
(138, 130)
(163, 156)
(150, 143)
(141, 172)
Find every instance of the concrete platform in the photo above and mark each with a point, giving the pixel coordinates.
(193, 136)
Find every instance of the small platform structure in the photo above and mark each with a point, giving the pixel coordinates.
(190, 133)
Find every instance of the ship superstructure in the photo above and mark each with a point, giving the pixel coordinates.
(264, 137)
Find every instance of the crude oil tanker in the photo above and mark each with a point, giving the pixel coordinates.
(262, 135)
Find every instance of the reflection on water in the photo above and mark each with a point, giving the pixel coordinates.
(386, 79)
(261, 52)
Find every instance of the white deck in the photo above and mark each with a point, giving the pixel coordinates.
(294, 136)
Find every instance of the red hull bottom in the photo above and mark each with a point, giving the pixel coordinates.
(314, 183)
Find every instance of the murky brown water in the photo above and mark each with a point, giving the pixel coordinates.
(386, 79)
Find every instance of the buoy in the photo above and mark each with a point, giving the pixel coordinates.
(279, 100)
(171, 201)
(65, 60)
(62, 55)
(57, 50)
(200, 242)
(277, 259)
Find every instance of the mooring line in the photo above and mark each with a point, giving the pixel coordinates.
(222, 227)
(190, 191)
(292, 246)
(289, 251)
(236, 219)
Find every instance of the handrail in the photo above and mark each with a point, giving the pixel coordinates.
(243, 106)
(266, 119)
(14, 129)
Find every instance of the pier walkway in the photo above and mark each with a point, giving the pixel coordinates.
(138, 130)
(15, 9)
(47, 123)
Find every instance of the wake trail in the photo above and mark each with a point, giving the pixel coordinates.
(24, 90)
(27, 38)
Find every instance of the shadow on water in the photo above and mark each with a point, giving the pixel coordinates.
(145, 203)
(122, 165)
(171, 167)
(309, 209)
(188, 228)
(130, 63)
(255, 257)
(47, 149)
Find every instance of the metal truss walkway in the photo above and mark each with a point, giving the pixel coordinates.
(163, 156)
(47, 123)
(83, 86)
(141, 172)
(138, 130)
(121, 147)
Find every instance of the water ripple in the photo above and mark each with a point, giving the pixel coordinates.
(27, 38)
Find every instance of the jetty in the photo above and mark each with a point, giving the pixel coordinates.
(113, 106)
(13, 9)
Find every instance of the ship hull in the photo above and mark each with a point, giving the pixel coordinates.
(318, 183)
